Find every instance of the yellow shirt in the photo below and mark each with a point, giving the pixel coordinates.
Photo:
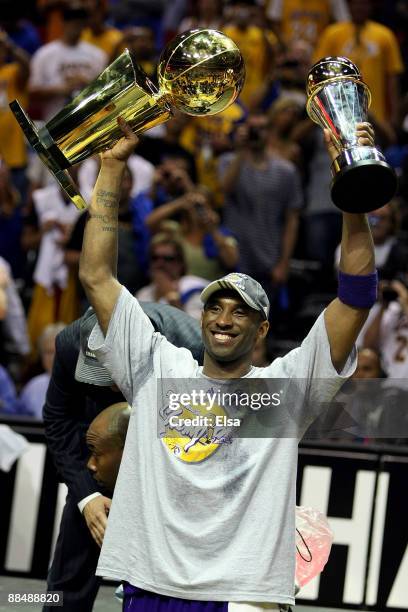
(376, 54)
(12, 142)
(304, 19)
(251, 42)
(198, 137)
(106, 41)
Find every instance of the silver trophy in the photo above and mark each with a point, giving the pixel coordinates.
(338, 99)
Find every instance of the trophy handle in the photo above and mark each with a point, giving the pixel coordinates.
(62, 176)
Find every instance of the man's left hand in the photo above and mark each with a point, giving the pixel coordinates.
(280, 272)
(364, 133)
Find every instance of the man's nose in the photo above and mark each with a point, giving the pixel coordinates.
(224, 319)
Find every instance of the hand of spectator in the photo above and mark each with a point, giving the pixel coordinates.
(4, 277)
(210, 220)
(123, 149)
(74, 82)
(402, 293)
(241, 137)
(279, 273)
(364, 133)
(3, 304)
(163, 283)
(95, 513)
(49, 225)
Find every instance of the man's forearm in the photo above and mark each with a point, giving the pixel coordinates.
(357, 249)
(100, 245)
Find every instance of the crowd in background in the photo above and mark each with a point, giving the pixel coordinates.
(246, 190)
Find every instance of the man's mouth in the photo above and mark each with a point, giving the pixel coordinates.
(224, 337)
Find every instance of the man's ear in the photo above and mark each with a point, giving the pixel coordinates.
(263, 329)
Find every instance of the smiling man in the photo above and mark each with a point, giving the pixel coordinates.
(207, 522)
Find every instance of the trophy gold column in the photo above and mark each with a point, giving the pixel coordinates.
(338, 99)
(201, 72)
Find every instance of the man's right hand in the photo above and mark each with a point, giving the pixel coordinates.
(95, 513)
(123, 149)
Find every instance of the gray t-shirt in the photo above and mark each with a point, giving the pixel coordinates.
(220, 527)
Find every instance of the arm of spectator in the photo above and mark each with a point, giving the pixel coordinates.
(344, 322)
(98, 262)
(290, 232)
(20, 56)
(167, 211)
(372, 336)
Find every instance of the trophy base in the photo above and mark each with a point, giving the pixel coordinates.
(60, 174)
(362, 181)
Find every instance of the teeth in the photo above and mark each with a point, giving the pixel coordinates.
(223, 336)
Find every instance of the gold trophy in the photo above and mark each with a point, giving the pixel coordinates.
(338, 99)
(201, 72)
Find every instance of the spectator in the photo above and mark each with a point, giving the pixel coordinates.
(54, 296)
(296, 20)
(32, 396)
(389, 253)
(283, 115)
(157, 149)
(14, 72)
(62, 68)
(11, 223)
(171, 180)
(209, 248)
(254, 45)
(170, 284)
(386, 330)
(140, 42)
(205, 14)
(374, 48)
(97, 33)
(9, 403)
(263, 199)
(23, 33)
(15, 344)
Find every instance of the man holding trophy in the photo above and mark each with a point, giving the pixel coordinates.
(178, 542)
(214, 534)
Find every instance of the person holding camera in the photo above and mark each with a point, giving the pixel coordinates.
(263, 200)
(209, 248)
(388, 331)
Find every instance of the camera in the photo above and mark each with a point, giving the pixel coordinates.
(253, 134)
(389, 294)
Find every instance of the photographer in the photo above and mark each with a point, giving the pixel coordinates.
(263, 199)
(209, 248)
(388, 331)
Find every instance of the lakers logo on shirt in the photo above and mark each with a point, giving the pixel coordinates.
(192, 432)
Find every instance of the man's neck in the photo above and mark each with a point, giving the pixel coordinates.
(225, 370)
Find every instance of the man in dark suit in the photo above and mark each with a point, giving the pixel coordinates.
(80, 388)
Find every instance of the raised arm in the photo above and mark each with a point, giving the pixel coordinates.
(98, 262)
(344, 322)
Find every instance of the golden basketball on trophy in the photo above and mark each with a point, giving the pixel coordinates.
(338, 99)
(201, 72)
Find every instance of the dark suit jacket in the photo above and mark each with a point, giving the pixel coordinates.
(70, 406)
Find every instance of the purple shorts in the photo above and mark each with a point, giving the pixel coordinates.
(137, 600)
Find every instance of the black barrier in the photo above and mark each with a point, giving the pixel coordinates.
(360, 487)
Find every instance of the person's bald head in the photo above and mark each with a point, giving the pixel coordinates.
(105, 438)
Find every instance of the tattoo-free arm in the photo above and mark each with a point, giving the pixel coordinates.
(343, 322)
